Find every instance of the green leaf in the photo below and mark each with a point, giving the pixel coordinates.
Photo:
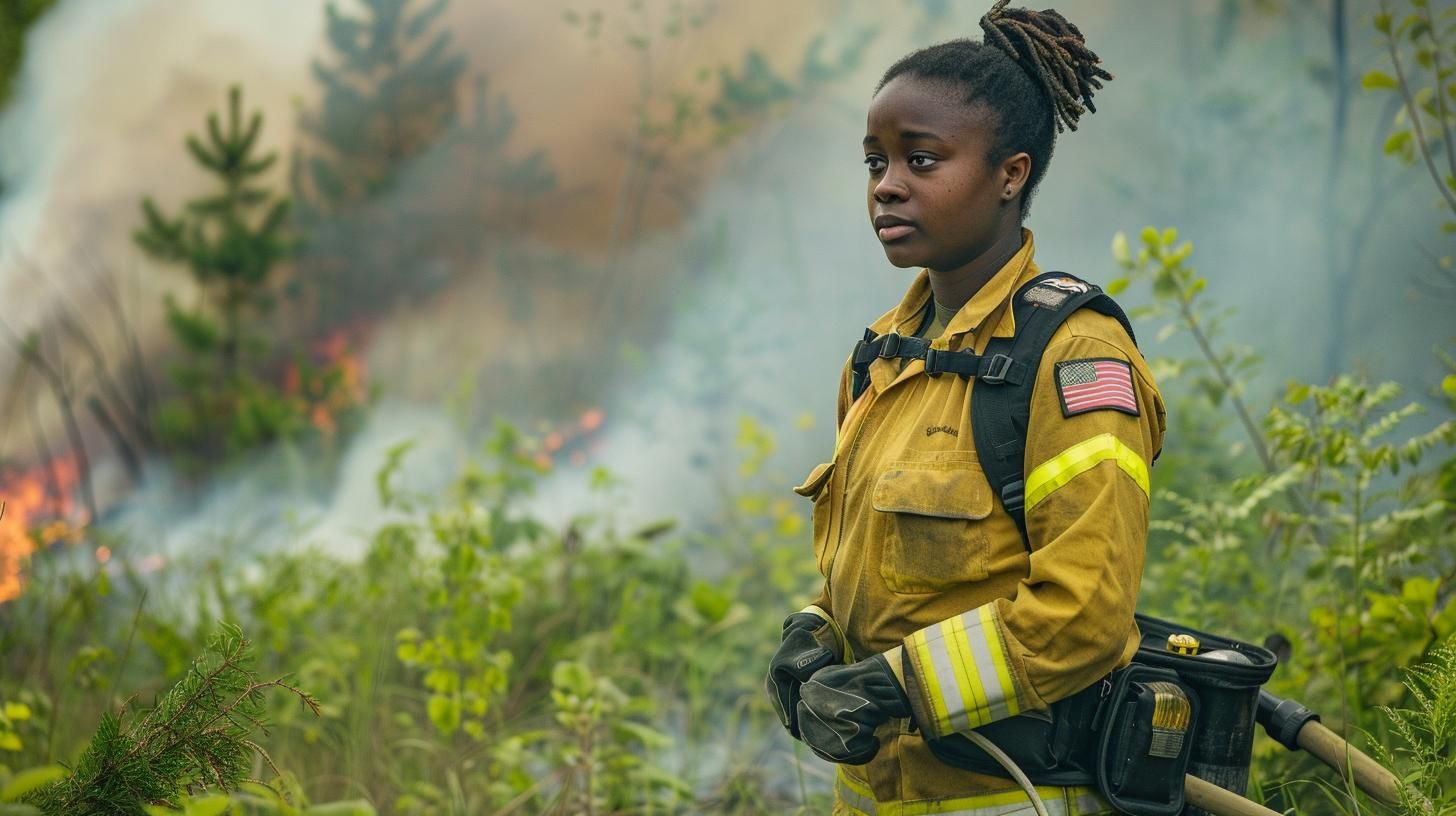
(212, 805)
(1397, 141)
(1378, 79)
(30, 779)
(444, 712)
(17, 711)
(1116, 286)
(1382, 23)
(710, 602)
(1448, 386)
(352, 807)
(1120, 251)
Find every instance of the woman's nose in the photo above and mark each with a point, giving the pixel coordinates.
(890, 187)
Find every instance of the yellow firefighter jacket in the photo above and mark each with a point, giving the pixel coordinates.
(921, 560)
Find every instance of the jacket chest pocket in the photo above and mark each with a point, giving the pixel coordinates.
(933, 517)
(816, 487)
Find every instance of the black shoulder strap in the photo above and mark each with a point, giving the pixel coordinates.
(1006, 373)
(1001, 409)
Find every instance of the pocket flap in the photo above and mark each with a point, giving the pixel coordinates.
(959, 492)
(818, 477)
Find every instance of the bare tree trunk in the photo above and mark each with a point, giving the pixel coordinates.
(136, 364)
(129, 458)
(1339, 266)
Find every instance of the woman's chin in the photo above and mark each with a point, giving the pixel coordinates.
(903, 257)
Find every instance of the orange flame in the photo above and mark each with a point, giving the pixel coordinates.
(29, 499)
(340, 388)
(572, 442)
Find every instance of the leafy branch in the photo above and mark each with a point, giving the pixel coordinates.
(1420, 105)
(1428, 732)
(1163, 261)
(198, 736)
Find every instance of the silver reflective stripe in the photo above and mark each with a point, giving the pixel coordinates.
(1054, 807)
(945, 674)
(849, 796)
(985, 665)
(1088, 802)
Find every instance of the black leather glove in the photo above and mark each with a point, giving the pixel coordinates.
(798, 657)
(841, 706)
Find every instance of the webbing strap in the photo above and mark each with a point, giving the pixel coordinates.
(990, 368)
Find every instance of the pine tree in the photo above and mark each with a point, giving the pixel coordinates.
(389, 96)
(231, 240)
(228, 248)
(16, 18)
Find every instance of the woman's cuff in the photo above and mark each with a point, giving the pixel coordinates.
(958, 674)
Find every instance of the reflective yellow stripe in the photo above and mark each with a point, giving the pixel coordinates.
(965, 672)
(854, 795)
(858, 799)
(998, 657)
(1078, 459)
(930, 680)
(966, 680)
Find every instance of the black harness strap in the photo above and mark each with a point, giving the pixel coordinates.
(1000, 414)
(1001, 410)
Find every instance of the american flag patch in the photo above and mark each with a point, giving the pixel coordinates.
(1092, 385)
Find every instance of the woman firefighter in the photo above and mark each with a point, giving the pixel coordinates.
(981, 525)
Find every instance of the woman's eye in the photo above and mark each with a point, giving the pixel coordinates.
(921, 162)
(874, 163)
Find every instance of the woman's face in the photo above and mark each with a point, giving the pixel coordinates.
(934, 198)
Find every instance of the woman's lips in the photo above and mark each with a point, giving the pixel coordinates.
(896, 232)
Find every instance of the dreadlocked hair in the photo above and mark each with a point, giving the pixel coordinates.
(1034, 73)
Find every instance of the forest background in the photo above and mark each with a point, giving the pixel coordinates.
(426, 379)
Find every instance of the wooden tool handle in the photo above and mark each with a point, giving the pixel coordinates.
(1205, 795)
(1368, 774)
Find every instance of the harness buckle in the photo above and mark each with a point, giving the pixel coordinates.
(1013, 496)
(891, 346)
(933, 362)
(996, 369)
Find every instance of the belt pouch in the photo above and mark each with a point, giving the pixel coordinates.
(1145, 741)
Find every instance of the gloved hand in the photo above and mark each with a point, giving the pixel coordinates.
(798, 657)
(841, 706)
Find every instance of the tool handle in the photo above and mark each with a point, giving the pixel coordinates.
(1205, 795)
(1368, 774)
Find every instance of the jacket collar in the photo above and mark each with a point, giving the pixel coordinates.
(987, 307)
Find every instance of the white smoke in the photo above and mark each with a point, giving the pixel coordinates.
(108, 91)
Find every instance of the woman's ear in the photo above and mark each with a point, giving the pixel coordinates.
(1015, 170)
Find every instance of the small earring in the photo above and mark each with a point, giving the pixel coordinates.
(1008, 192)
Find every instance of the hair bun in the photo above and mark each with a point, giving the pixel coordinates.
(1054, 52)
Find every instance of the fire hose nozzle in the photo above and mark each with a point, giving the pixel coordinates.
(1283, 719)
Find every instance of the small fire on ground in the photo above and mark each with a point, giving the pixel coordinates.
(37, 511)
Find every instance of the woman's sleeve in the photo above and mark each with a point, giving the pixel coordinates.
(821, 601)
(1096, 424)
